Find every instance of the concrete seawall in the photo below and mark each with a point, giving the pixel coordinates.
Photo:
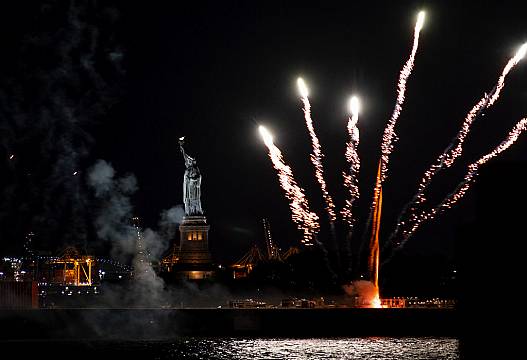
(168, 323)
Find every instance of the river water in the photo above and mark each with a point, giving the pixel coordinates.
(378, 348)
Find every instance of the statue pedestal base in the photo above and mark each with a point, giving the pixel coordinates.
(191, 259)
(194, 240)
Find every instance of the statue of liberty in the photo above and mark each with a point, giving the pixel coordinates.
(191, 184)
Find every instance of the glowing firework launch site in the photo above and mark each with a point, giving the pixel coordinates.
(204, 174)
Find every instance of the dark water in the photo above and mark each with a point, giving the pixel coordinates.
(252, 348)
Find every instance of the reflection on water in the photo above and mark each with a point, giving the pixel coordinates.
(344, 348)
(249, 348)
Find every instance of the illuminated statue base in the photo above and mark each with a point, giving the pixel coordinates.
(191, 259)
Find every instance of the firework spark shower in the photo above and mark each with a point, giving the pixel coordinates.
(316, 155)
(390, 137)
(306, 220)
(460, 191)
(351, 181)
(455, 149)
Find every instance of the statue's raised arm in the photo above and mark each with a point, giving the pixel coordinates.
(186, 157)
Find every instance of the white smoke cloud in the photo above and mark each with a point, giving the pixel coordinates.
(128, 184)
(154, 243)
(113, 224)
(113, 220)
(100, 177)
(170, 219)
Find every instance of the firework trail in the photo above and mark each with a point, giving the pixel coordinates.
(373, 259)
(305, 220)
(464, 186)
(351, 181)
(316, 155)
(455, 148)
(389, 136)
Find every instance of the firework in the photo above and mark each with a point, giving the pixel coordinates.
(455, 148)
(316, 155)
(305, 220)
(351, 181)
(373, 260)
(389, 136)
(464, 186)
(308, 221)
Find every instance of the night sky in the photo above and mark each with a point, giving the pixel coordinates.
(213, 73)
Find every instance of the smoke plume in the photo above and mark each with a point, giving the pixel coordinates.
(113, 223)
(363, 290)
(170, 219)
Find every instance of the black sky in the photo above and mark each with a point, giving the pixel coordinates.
(214, 72)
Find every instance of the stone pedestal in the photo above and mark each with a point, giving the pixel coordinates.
(191, 260)
(194, 241)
